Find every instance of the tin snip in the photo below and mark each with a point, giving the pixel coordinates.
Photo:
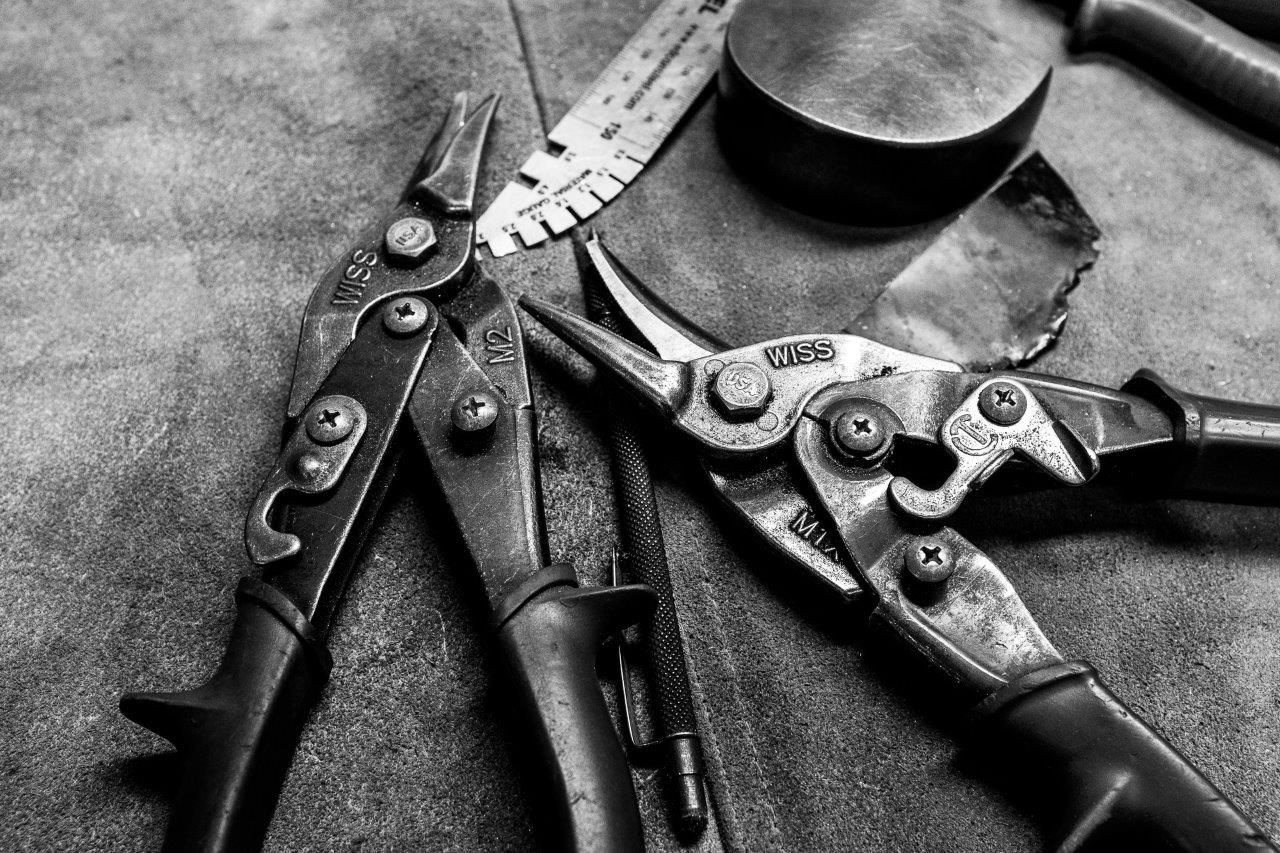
(404, 338)
(802, 436)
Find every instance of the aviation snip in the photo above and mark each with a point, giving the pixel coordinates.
(404, 337)
(809, 439)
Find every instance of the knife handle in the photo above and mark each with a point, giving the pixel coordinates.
(1222, 449)
(1258, 18)
(1102, 778)
(1191, 49)
(549, 637)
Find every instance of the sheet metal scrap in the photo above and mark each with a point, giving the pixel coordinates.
(991, 291)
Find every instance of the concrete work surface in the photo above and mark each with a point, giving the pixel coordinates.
(173, 179)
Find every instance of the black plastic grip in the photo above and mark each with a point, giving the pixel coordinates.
(1258, 18)
(1100, 776)
(1226, 69)
(236, 734)
(581, 779)
(1224, 450)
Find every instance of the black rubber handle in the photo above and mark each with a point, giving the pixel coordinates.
(1230, 72)
(1224, 450)
(1100, 776)
(583, 789)
(236, 734)
(1258, 18)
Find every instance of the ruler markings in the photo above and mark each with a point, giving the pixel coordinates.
(613, 130)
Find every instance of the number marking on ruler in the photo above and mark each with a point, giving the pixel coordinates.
(614, 129)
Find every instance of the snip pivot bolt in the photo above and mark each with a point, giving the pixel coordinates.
(742, 390)
(1002, 403)
(405, 316)
(330, 420)
(929, 561)
(410, 238)
(858, 432)
(474, 412)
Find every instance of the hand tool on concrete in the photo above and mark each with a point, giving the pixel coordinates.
(879, 112)
(614, 129)
(1192, 50)
(829, 448)
(676, 746)
(404, 336)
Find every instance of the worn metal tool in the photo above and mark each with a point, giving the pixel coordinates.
(404, 336)
(823, 445)
(1192, 50)
(676, 746)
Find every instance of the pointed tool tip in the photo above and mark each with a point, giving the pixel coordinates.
(661, 383)
(488, 105)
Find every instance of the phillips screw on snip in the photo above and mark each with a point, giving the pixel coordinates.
(929, 562)
(1002, 403)
(474, 412)
(858, 432)
(330, 421)
(405, 316)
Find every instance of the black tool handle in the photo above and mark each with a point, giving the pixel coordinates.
(550, 642)
(676, 745)
(236, 734)
(1100, 776)
(1258, 18)
(1193, 50)
(1224, 449)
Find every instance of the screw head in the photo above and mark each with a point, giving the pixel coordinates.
(858, 432)
(1002, 403)
(742, 390)
(330, 420)
(409, 239)
(405, 315)
(929, 561)
(474, 412)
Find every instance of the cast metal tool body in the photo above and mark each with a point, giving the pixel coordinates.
(802, 437)
(405, 336)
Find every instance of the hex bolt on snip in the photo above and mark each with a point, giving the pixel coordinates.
(742, 390)
(330, 420)
(474, 412)
(1002, 403)
(405, 316)
(410, 238)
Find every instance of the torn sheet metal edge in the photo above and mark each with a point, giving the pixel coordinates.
(991, 291)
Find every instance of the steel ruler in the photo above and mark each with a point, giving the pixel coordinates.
(614, 129)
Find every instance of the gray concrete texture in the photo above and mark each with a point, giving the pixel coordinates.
(173, 179)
